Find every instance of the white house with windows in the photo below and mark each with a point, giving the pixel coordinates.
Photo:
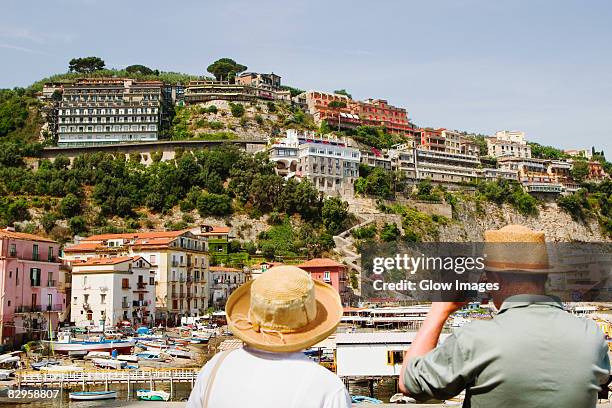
(372, 354)
(111, 290)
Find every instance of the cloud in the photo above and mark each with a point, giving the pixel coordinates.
(23, 49)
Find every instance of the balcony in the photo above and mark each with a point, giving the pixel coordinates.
(125, 305)
(141, 285)
(51, 283)
(54, 308)
(28, 309)
(126, 287)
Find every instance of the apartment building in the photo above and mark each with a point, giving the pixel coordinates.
(180, 260)
(331, 272)
(31, 300)
(378, 112)
(537, 176)
(327, 162)
(584, 153)
(443, 167)
(96, 111)
(107, 291)
(223, 281)
(508, 143)
(247, 87)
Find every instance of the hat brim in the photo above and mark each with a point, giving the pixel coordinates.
(527, 271)
(329, 313)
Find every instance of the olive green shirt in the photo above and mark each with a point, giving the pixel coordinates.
(532, 354)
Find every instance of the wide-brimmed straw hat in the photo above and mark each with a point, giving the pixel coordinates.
(517, 249)
(283, 310)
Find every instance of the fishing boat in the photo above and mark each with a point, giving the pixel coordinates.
(92, 395)
(77, 354)
(44, 363)
(6, 374)
(128, 357)
(149, 356)
(358, 399)
(65, 344)
(61, 368)
(150, 395)
(175, 352)
(107, 363)
(97, 354)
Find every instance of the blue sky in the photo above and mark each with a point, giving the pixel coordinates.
(542, 66)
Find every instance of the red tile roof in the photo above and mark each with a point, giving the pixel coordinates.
(84, 247)
(223, 269)
(24, 236)
(320, 263)
(108, 261)
(137, 235)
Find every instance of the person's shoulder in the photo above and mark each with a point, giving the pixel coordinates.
(586, 325)
(324, 376)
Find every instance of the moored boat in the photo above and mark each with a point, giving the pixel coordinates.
(149, 356)
(61, 368)
(175, 352)
(358, 399)
(92, 395)
(44, 363)
(150, 395)
(123, 346)
(107, 363)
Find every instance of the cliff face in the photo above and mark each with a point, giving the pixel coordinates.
(470, 223)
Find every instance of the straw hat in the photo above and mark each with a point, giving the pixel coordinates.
(283, 310)
(516, 249)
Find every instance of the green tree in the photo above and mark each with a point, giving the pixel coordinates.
(389, 233)
(237, 109)
(336, 104)
(343, 92)
(69, 206)
(580, 170)
(86, 65)
(139, 69)
(214, 204)
(334, 214)
(77, 225)
(225, 69)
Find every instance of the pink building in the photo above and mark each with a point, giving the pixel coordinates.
(331, 272)
(30, 289)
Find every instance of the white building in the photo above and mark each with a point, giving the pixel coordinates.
(108, 291)
(181, 264)
(223, 281)
(327, 162)
(508, 143)
(372, 354)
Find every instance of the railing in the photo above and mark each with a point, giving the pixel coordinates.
(141, 285)
(28, 309)
(51, 283)
(124, 305)
(103, 376)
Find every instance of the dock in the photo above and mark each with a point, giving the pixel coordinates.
(85, 378)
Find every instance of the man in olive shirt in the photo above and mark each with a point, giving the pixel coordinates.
(532, 354)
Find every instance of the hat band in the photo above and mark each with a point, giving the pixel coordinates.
(515, 265)
(247, 324)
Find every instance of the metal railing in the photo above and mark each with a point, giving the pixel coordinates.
(104, 376)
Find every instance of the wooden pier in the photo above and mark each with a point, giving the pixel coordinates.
(85, 378)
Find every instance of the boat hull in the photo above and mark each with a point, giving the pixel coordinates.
(120, 346)
(91, 396)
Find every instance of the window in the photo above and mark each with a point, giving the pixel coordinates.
(395, 357)
(151, 281)
(13, 250)
(327, 276)
(85, 298)
(35, 255)
(34, 276)
(125, 283)
(152, 259)
(74, 300)
(102, 298)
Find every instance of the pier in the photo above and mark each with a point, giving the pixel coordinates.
(86, 378)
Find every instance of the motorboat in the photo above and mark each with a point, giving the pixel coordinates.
(175, 352)
(358, 399)
(97, 354)
(108, 363)
(44, 363)
(149, 356)
(6, 374)
(92, 395)
(128, 357)
(61, 368)
(150, 395)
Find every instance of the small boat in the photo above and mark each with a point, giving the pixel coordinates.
(127, 357)
(107, 363)
(174, 352)
(92, 395)
(61, 368)
(77, 354)
(97, 354)
(358, 399)
(44, 363)
(150, 395)
(6, 374)
(149, 356)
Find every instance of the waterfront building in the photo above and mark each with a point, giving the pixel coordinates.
(268, 86)
(491, 174)
(215, 237)
(376, 158)
(96, 111)
(403, 159)
(339, 111)
(392, 317)
(331, 272)
(247, 87)
(378, 112)
(508, 143)
(442, 167)
(108, 291)
(257, 270)
(223, 281)
(534, 174)
(180, 260)
(31, 300)
(327, 162)
(372, 355)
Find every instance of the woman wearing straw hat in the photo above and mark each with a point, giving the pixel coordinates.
(532, 354)
(277, 315)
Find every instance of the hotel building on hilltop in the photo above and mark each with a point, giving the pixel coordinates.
(328, 163)
(348, 113)
(247, 87)
(508, 143)
(179, 259)
(96, 111)
(31, 287)
(107, 291)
